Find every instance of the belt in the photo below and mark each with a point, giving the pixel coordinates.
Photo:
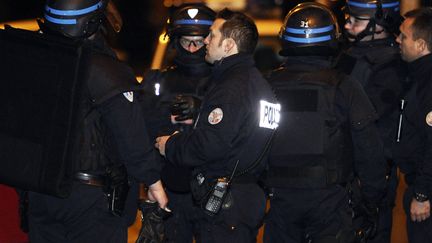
(302, 177)
(89, 179)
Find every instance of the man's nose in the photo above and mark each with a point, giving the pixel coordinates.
(192, 48)
(347, 25)
(398, 40)
(206, 40)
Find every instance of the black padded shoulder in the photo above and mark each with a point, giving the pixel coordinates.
(108, 77)
(383, 56)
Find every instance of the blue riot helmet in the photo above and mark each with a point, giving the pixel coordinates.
(381, 12)
(309, 29)
(191, 20)
(73, 18)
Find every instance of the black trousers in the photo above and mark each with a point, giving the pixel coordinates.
(182, 225)
(386, 211)
(300, 215)
(418, 232)
(237, 224)
(83, 217)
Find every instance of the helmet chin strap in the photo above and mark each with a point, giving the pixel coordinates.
(190, 62)
(371, 26)
(370, 30)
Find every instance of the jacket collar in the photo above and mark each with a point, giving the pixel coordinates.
(307, 63)
(226, 63)
(420, 68)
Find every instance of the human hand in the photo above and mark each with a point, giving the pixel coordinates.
(419, 211)
(160, 144)
(157, 193)
(152, 222)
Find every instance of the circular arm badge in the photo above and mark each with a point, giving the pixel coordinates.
(215, 116)
(429, 118)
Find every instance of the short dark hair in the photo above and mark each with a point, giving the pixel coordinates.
(240, 28)
(422, 24)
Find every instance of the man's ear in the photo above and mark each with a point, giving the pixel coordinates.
(229, 45)
(421, 45)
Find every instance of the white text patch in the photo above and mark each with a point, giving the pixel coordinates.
(269, 114)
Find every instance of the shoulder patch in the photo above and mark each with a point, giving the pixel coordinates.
(215, 116)
(128, 96)
(429, 118)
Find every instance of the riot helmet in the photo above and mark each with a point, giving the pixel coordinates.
(190, 20)
(73, 18)
(379, 12)
(189, 25)
(309, 29)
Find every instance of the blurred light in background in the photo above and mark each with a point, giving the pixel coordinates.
(144, 20)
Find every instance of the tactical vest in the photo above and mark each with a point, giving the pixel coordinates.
(364, 67)
(312, 147)
(369, 64)
(372, 70)
(105, 78)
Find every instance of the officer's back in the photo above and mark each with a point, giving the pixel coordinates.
(326, 119)
(108, 147)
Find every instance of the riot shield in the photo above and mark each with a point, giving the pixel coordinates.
(39, 95)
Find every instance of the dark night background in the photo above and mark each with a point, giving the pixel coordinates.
(143, 20)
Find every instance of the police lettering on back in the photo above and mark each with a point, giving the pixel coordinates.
(269, 114)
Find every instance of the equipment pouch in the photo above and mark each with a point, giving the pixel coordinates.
(116, 188)
(209, 194)
(200, 188)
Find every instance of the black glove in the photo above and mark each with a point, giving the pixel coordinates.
(185, 107)
(369, 225)
(152, 228)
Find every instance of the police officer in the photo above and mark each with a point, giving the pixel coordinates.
(183, 83)
(326, 136)
(373, 59)
(227, 145)
(413, 151)
(111, 138)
